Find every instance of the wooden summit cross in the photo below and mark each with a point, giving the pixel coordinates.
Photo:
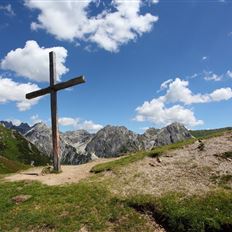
(52, 89)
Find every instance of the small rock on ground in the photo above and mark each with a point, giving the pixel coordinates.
(21, 198)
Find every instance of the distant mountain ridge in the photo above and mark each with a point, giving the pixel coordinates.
(172, 133)
(80, 146)
(22, 128)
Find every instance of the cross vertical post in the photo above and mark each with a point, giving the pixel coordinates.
(52, 90)
(55, 129)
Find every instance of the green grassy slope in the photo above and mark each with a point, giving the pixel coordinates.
(69, 208)
(17, 151)
(209, 133)
(10, 166)
(92, 207)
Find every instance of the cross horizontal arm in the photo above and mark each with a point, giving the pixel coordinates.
(38, 93)
(70, 83)
(59, 86)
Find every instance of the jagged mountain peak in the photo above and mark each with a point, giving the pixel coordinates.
(22, 128)
(40, 125)
(40, 129)
(109, 129)
(175, 125)
(113, 126)
(172, 133)
(7, 124)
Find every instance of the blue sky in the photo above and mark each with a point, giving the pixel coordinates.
(147, 63)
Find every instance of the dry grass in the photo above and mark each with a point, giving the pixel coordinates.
(188, 170)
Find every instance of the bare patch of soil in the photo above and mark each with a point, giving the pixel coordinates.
(69, 174)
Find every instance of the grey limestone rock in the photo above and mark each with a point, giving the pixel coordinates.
(148, 139)
(78, 139)
(172, 133)
(112, 141)
(41, 136)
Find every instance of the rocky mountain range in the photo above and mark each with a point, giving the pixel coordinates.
(22, 128)
(80, 146)
(72, 152)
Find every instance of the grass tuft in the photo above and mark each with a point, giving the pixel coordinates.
(227, 155)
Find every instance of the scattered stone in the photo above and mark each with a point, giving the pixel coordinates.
(83, 229)
(21, 198)
(201, 146)
(158, 159)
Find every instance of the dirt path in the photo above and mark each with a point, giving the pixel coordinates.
(70, 174)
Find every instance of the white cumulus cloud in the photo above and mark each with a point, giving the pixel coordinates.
(178, 91)
(66, 121)
(120, 22)
(78, 124)
(159, 111)
(90, 126)
(32, 61)
(221, 94)
(11, 91)
(156, 112)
